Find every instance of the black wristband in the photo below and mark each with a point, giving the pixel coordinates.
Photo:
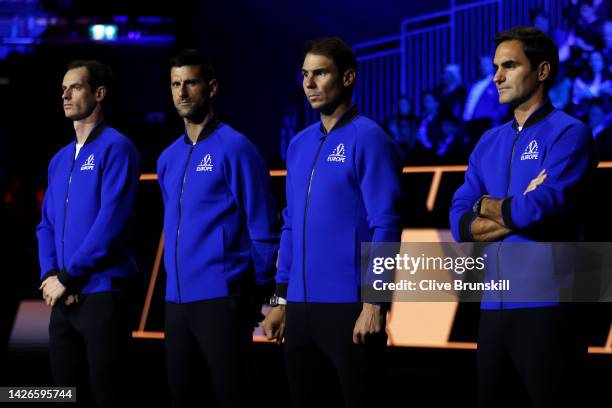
(478, 206)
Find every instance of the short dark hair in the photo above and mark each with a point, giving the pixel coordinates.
(336, 50)
(537, 46)
(195, 57)
(99, 74)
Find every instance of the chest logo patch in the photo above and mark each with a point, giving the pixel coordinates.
(205, 164)
(531, 151)
(337, 155)
(89, 163)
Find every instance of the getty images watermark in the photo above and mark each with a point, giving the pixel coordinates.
(424, 264)
(495, 272)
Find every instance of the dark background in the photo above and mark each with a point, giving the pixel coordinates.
(257, 46)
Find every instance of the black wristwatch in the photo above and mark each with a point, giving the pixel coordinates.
(477, 206)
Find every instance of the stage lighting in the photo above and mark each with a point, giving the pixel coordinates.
(103, 32)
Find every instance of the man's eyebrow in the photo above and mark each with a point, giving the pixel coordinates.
(72, 84)
(186, 80)
(314, 70)
(509, 63)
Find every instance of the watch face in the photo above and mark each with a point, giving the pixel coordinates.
(476, 207)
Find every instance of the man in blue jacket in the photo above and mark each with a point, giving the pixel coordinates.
(526, 183)
(221, 241)
(84, 236)
(343, 188)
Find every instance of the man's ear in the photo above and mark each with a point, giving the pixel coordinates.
(348, 78)
(101, 93)
(543, 71)
(213, 85)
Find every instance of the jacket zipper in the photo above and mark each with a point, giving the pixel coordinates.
(66, 209)
(178, 227)
(314, 163)
(516, 135)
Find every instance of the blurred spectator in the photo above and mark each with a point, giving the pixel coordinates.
(403, 127)
(453, 146)
(588, 26)
(482, 108)
(602, 9)
(561, 92)
(594, 82)
(602, 134)
(441, 136)
(606, 51)
(539, 19)
(451, 93)
(597, 118)
(430, 130)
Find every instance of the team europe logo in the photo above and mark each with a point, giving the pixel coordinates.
(89, 163)
(205, 164)
(531, 151)
(337, 155)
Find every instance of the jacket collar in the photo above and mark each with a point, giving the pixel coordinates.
(536, 116)
(94, 134)
(345, 119)
(210, 127)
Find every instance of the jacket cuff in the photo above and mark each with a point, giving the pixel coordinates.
(52, 272)
(384, 306)
(465, 226)
(73, 284)
(506, 214)
(281, 290)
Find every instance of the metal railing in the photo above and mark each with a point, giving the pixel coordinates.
(411, 62)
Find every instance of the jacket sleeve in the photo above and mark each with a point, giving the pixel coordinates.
(567, 164)
(249, 181)
(117, 197)
(285, 257)
(45, 232)
(461, 213)
(378, 168)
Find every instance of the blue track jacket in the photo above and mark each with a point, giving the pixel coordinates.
(502, 165)
(343, 188)
(220, 226)
(85, 232)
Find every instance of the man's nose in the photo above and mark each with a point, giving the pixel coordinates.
(499, 77)
(309, 82)
(183, 91)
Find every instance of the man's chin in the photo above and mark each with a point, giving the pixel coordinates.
(505, 100)
(316, 105)
(195, 116)
(74, 117)
(183, 111)
(192, 112)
